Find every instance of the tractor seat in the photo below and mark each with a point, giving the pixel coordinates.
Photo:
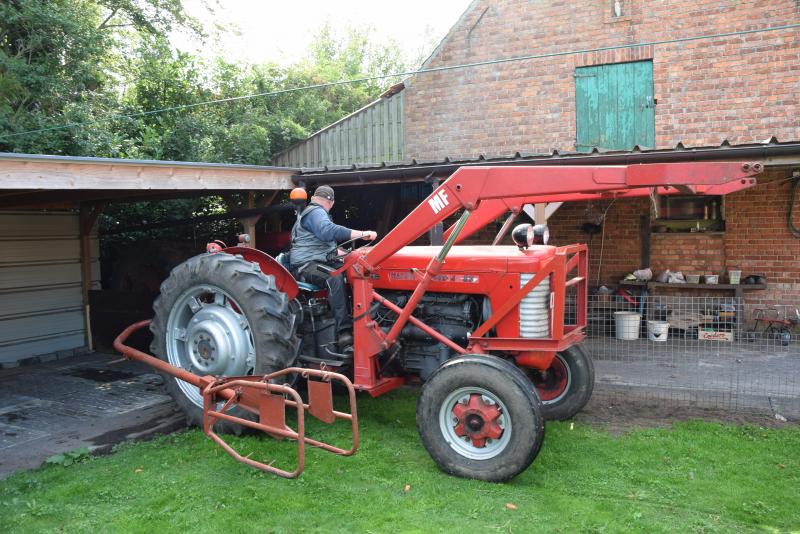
(283, 259)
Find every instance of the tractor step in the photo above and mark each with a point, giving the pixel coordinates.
(326, 362)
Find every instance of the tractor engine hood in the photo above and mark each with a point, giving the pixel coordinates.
(466, 260)
(506, 258)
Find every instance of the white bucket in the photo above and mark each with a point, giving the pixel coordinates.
(627, 324)
(734, 276)
(657, 330)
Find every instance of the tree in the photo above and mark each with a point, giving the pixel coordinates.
(36, 83)
(58, 64)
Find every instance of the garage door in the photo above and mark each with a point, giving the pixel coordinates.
(41, 309)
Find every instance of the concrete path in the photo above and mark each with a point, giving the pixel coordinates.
(64, 405)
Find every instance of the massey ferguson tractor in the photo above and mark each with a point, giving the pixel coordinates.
(493, 332)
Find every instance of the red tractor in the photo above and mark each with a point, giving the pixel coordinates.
(494, 332)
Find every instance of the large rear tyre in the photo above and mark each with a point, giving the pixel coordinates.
(219, 315)
(567, 385)
(479, 418)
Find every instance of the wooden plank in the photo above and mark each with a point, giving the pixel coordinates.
(360, 138)
(27, 225)
(37, 174)
(19, 328)
(401, 148)
(355, 127)
(35, 347)
(392, 131)
(39, 300)
(387, 154)
(623, 138)
(40, 252)
(586, 108)
(368, 141)
(647, 130)
(644, 237)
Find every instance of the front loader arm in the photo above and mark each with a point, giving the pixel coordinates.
(489, 210)
(468, 187)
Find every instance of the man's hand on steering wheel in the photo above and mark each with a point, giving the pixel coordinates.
(368, 235)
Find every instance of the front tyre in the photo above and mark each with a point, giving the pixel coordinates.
(478, 418)
(219, 315)
(567, 385)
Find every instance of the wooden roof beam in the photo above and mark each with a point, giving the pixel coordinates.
(20, 172)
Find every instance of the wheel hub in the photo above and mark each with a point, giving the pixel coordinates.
(216, 340)
(553, 382)
(207, 334)
(477, 420)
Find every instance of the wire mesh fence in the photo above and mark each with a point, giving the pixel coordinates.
(709, 352)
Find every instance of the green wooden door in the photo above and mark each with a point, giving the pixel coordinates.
(614, 106)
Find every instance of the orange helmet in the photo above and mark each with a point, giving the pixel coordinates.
(298, 193)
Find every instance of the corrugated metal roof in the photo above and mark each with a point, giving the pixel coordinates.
(372, 133)
(770, 151)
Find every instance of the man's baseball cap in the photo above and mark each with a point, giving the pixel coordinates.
(324, 191)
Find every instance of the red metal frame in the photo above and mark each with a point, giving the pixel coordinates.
(482, 191)
(490, 210)
(261, 396)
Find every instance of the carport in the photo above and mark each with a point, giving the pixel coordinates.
(49, 207)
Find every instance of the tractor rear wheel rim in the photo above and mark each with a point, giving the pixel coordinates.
(552, 384)
(207, 334)
(475, 423)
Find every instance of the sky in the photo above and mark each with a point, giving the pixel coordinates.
(279, 31)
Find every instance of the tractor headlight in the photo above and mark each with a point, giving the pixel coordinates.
(541, 234)
(526, 235)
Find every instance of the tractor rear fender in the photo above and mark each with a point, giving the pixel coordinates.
(284, 280)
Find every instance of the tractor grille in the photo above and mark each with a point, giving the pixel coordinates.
(534, 309)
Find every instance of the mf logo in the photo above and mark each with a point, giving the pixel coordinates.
(438, 201)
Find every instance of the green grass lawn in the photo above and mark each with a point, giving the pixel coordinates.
(694, 477)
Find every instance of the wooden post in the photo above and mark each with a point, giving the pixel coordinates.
(539, 213)
(644, 236)
(436, 233)
(249, 223)
(87, 218)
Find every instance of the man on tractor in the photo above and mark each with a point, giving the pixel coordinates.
(314, 255)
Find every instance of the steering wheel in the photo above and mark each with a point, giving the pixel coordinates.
(352, 248)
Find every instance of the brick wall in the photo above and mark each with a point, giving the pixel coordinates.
(688, 253)
(612, 253)
(743, 88)
(758, 240)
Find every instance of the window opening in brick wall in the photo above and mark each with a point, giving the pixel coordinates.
(690, 214)
(617, 10)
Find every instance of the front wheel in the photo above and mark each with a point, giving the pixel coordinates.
(478, 418)
(567, 385)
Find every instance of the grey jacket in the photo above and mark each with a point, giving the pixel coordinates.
(306, 246)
